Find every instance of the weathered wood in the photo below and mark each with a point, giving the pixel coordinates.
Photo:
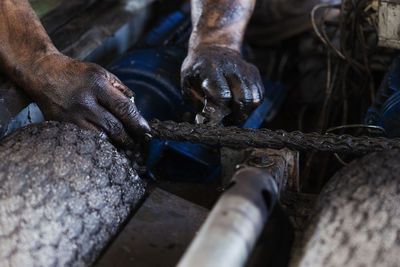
(64, 13)
(86, 32)
(83, 27)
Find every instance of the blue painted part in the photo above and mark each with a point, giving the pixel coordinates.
(386, 111)
(274, 96)
(30, 114)
(160, 34)
(391, 115)
(182, 161)
(373, 117)
(154, 76)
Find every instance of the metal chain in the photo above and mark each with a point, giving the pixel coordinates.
(263, 138)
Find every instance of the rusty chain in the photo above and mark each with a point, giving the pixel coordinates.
(263, 138)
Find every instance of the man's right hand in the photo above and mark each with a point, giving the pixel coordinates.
(221, 76)
(214, 69)
(87, 95)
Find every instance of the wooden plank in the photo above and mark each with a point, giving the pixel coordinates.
(77, 40)
(64, 13)
(78, 33)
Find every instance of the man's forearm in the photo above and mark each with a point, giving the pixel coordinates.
(220, 22)
(65, 89)
(23, 40)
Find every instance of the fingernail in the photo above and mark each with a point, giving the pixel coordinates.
(148, 137)
(145, 125)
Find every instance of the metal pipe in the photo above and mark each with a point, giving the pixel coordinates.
(231, 230)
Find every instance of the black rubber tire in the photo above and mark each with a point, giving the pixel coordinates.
(64, 192)
(356, 221)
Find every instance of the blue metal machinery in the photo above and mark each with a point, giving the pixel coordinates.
(386, 110)
(153, 73)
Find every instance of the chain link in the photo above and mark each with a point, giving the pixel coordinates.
(263, 138)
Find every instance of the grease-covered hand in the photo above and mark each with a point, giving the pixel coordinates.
(87, 95)
(223, 77)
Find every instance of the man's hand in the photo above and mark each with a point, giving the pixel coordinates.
(65, 89)
(87, 95)
(214, 69)
(220, 75)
